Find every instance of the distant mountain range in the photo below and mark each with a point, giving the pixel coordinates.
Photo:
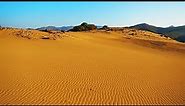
(64, 28)
(177, 33)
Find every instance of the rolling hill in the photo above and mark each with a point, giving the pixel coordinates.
(177, 33)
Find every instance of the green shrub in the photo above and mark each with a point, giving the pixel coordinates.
(84, 27)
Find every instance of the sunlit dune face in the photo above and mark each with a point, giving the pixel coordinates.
(95, 67)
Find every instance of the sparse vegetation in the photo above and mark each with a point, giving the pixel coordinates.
(62, 31)
(84, 27)
(52, 31)
(105, 27)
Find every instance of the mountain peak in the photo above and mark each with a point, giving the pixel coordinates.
(143, 24)
(171, 26)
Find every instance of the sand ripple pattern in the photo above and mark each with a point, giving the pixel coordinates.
(73, 71)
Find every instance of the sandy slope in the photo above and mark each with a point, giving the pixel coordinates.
(91, 68)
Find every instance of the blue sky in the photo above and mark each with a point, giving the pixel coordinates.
(37, 14)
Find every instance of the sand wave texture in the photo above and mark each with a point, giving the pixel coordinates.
(91, 68)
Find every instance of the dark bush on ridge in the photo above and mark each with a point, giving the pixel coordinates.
(84, 27)
(91, 27)
(105, 27)
(84, 24)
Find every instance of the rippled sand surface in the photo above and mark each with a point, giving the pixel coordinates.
(91, 68)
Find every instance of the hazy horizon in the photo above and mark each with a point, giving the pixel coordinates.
(120, 14)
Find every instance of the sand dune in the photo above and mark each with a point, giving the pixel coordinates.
(94, 67)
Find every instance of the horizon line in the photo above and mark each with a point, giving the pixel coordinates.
(96, 25)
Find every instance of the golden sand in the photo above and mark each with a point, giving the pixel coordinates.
(91, 68)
